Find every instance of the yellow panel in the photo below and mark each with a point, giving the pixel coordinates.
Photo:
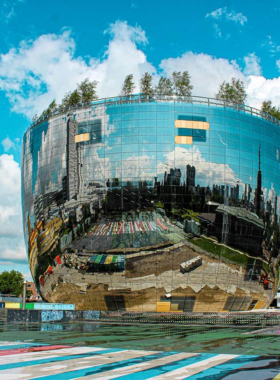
(183, 140)
(163, 307)
(174, 307)
(82, 137)
(12, 305)
(192, 124)
(259, 305)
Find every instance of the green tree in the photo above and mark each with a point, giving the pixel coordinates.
(71, 99)
(146, 86)
(52, 106)
(182, 84)
(164, 87)
(128, 86)
(269, 108)
(11, 283)
(232, 92)
(87, 90)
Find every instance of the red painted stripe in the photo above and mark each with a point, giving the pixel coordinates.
(31, 349)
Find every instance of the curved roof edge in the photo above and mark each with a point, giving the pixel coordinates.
(140, 98)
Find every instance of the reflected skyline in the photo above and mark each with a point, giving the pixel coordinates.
(125, 182)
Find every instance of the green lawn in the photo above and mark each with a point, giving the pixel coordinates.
(221, 251)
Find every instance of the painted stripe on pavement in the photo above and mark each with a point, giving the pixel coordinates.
(47, 354)
(31, 349)
(224, 368)
(109, 364)
(190, 370)
(52, 359)
(145, 367)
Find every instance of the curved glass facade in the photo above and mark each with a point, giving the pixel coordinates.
(158, 205)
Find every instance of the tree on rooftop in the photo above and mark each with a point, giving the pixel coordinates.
(182, 84)
(71, 99)
(87, 90)
(11, 283)
(128, 86)
(164, 87)
(232, 92)
(269, 108)
(146, 86)
(52, 106)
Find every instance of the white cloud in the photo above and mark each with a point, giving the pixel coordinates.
(207, 173)
(11, 235)
(207, 72)
(10, 15)
(259, 88)
(8, 144)
(36, 72)
(252, 65)
(120, 30)
(220, 13)
(271, 45)
(218, 32)
(217, 14)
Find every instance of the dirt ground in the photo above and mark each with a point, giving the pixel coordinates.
(158, 262)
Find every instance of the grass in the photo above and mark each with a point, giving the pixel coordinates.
(221, 251)
(190, 214)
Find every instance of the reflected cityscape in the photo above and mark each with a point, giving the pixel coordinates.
(156, 206)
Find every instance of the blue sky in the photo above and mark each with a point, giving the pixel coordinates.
(46, 47)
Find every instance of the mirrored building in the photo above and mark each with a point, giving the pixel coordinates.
(153, 205)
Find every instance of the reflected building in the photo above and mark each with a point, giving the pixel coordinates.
(121, 196)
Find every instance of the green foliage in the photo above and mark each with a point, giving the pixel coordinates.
(269, 108)
(164, 87)
(52, 106)
(128, 86)
(221, 251)
(182, 84)
(87, 90)
(11, 283)
(71, 99)
(84, 93)
(146, 86)
(160, 204)
(232, 92)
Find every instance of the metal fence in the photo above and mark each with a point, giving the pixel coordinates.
(139, 98)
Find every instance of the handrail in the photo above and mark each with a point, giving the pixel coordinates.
(140, 98)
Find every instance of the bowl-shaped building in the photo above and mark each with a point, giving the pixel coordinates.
(153, 204)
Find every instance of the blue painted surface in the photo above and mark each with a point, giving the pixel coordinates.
(225, 368)
(240, 367)
(57, 359)
(106, 367)
(20, 345)
(52, 315)
(160, 370)
(53, 306)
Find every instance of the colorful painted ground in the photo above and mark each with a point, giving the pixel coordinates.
(27, 360)
(119, 228)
